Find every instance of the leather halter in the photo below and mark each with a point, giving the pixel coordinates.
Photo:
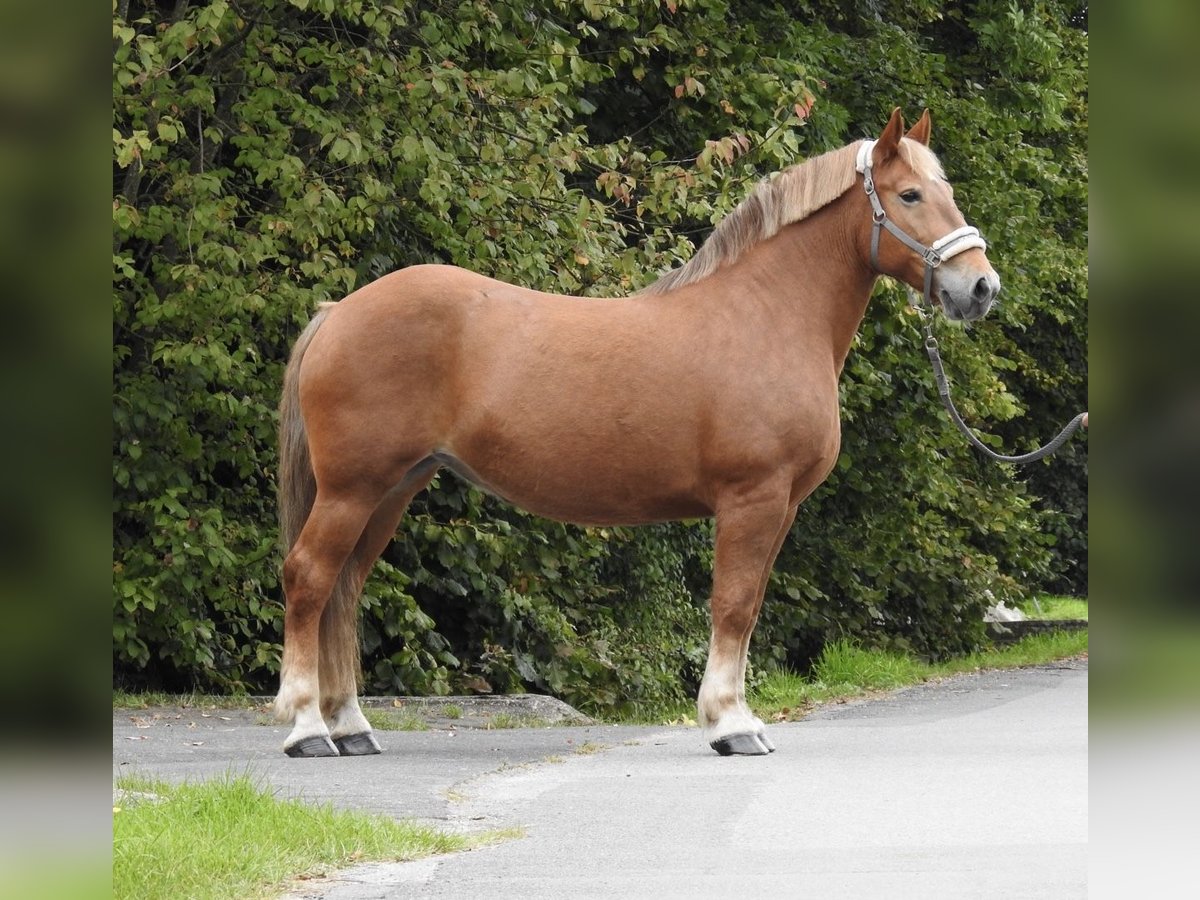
(935, 254)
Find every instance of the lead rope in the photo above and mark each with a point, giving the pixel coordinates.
(939, 374)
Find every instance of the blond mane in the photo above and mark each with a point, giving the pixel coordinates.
(789, 196)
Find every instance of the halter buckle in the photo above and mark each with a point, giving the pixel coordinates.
(879, 216)
(933, 259)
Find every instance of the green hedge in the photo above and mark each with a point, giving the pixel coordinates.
(268, 158)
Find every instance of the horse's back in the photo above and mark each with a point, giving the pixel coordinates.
(588, 410)
(441, 315)
(428, 288)
(528, 393)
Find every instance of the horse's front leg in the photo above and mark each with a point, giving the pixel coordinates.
(762, 590)
(750, 531)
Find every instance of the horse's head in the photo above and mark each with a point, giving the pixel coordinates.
(927, 243)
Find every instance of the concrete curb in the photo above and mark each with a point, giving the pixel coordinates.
(457, 711)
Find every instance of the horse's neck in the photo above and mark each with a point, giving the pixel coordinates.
(810, 278)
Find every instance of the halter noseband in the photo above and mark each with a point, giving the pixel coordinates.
(936, 253)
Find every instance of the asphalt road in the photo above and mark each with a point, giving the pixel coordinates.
(976, 787)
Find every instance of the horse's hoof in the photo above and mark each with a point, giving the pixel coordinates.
(317, 745)
(741, 745)
(766, 742)
(361, 744)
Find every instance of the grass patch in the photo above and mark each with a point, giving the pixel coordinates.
(1034, 650)
(843, 665)
(385, 720)
(149, 699)
(452, 711)
(682, 713)
(231, 839)
(588, 748)
(781, 691)
(1047, 607)
(508, 720)
(845, 670)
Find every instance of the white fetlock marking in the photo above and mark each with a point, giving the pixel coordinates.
(733, 721)
(721, 707)
(297, 701)
(308, 724)
(349, 719)
(719, 689)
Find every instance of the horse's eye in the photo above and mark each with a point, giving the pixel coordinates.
(911, 196)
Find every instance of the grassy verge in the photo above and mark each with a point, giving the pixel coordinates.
(229, 839)
(386, 720)
(149, 699)
(1048, 607)
(845, 671)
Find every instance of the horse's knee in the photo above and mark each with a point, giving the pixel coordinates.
(732, 617)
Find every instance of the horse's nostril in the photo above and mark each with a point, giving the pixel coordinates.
(983, 289)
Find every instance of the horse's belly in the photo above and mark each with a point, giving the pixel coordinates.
(584, 492)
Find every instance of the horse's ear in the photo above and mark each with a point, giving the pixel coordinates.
(920, 131)
(889, 141)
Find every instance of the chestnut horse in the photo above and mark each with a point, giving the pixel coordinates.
(714, 392)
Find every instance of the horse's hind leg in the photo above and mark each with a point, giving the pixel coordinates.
(311, 574)
(348, 727)
(749, 534)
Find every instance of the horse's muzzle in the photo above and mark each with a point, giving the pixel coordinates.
(971, 301)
